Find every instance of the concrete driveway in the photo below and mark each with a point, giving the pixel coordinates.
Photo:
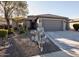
(68, 41)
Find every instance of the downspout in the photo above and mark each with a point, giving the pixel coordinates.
(67, 24)
(64, 25)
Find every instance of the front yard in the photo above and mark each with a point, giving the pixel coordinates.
(21, 45)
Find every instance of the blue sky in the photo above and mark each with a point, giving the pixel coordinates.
(63, 8)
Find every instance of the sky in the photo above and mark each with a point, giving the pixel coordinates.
(63, 8)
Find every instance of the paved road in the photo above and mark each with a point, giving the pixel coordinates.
(68, 41)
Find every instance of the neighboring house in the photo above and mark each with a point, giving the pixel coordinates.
(16, 21)
(51, 22)
(2, 21)
(73, 21)
(13, 21)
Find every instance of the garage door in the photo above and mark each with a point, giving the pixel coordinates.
(53, 25)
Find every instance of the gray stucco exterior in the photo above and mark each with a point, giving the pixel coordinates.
(52, 22)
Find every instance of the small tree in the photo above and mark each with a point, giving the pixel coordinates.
(13, 8)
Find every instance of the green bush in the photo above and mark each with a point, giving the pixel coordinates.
(22, 30)
(15, 28)
(76, 26)
(3, 26)
(3, 33)
(10, 31)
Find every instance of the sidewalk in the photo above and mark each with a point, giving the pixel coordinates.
(56, 54)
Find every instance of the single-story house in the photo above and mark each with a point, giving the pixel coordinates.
(16, 21)
(73, 21)
(51, 22)
(3, 23)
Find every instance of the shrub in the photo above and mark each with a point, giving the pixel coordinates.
(6, 27)
(3, 33)
(76, 26)
(15, 28)
(10, 31)
(22, 30)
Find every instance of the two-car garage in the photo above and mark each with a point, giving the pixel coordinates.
(52, 25)
(54, 22)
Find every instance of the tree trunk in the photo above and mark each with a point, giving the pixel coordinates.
(7, 17)
(7, 20)
(8, 23)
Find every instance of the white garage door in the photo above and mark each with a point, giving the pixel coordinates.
(53, 25)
